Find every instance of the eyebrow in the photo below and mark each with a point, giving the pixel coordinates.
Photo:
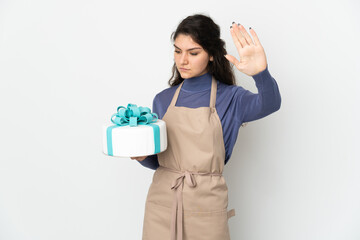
(189, 48)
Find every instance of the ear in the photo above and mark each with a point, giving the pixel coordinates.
(211, 59)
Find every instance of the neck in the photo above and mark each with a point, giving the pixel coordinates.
(199, 83)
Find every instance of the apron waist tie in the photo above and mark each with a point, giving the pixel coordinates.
(177, 210)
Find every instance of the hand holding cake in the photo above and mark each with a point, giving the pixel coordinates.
(139, 158)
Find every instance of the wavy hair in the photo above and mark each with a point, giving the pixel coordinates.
(205, 32)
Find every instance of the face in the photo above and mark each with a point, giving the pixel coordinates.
(190, 58)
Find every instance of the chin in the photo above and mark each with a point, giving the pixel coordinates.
(185, 75)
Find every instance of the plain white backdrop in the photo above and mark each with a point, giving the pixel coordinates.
(65, 66)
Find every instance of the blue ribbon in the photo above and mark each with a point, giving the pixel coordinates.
(133, 116)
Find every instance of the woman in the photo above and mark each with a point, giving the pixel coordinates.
(203, 110)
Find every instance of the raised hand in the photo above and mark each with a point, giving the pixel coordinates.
(252, 54)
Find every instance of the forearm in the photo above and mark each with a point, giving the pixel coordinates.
(150, 162)
(266, 101)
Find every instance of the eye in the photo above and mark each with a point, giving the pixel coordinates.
(177, 51)
(194, 54)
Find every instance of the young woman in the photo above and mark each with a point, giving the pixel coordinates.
(203, 109)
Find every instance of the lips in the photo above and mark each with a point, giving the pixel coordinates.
(184, 69)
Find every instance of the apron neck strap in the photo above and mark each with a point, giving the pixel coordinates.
(176, 94)
(213, 92)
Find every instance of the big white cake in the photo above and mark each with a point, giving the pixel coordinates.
(136, 132)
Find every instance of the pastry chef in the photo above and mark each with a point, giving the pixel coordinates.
(203, 109)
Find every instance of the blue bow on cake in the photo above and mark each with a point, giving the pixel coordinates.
(133, 116)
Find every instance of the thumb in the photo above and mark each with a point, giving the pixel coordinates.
(231, 59)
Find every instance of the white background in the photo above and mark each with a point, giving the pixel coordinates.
(65, 66)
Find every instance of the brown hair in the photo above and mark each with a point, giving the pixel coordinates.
(206, 33)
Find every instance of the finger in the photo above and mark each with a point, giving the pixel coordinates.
(246, 35)
(235, 39)
(239, 35)
(255, 37)
(232, 59)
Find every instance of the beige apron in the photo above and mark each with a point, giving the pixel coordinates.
(188, 196)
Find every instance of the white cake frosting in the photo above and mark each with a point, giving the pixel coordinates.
(134, 141)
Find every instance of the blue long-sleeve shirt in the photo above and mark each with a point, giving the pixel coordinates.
(234, 104)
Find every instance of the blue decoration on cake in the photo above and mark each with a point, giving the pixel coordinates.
(133, 116)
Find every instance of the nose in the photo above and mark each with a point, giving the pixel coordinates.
(184, 59)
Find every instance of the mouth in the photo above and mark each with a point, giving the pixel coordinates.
(183, 69)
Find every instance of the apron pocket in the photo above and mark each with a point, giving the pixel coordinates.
(156, 224)
(207, 225)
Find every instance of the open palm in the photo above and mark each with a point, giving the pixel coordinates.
(252, 54)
